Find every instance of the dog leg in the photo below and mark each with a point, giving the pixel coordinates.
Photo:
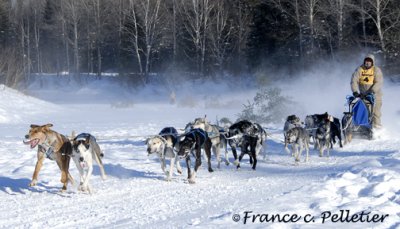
(162, 160)
(226, 154)
(39, 164)
(63, 164)
(178, 164)
(216, 152)
(293, 150)
(297, 153)
(239, 160)
(301, 148)
(234, 152)
(254, 152)
(71, 179)
(327, 149)
(307, 151)
(87, 177)
(171, 169)
(207, 149)
(259, 148)
(254, 155)
(81, 176)
(188, 163)
(97, 156)
(89, 189)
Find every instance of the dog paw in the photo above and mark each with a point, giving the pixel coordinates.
(210, 170)
(227, 163)
(236, 162)
(33, 183)
(104, 177)
(191, 181)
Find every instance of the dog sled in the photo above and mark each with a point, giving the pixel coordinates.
(357, 122)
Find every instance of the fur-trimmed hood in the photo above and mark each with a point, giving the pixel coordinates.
(370, 56)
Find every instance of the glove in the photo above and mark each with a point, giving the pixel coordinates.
(356, 94)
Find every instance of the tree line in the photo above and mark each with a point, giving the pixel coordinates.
(200, 38)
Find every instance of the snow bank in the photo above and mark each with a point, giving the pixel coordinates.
(16, 107)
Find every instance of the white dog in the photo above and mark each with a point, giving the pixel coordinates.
(163, 147)
(84, 150)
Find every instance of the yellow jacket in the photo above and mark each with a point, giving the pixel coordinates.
(368, 80)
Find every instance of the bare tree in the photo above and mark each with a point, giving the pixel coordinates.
(37, 9)
(151, 21)
(242, 18)
(337, 8)
(72, 12)
(133, 31)
(385, 15)
(294, 11)
(197, 14)
(220, 33)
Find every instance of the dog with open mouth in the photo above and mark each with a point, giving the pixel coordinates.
(53, 146)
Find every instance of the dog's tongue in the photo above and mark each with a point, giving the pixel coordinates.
(83, 164)
(32, 143)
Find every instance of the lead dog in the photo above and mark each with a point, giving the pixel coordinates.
(299, 138)
(163, 145)
(192, 143)
(53, 146)
(84, 150)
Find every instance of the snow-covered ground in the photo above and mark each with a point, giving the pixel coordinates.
(362, 179)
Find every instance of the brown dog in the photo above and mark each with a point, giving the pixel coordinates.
(52, 145)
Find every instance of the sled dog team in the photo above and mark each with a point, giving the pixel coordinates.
(169, 144)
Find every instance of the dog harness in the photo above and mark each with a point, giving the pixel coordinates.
(367, 76)
(82, 137)
(170, 131)
(47, 149)
(201, 132)
(49, 152)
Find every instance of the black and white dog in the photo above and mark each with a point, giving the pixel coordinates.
(299, 138)
(291, 122)
(312, 122)
(85, 149)
(163, 145)
(323, 137)
(335, 131)
(249, 137)
(192, 143)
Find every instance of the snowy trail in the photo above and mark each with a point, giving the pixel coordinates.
(362, 176)
(136, 195)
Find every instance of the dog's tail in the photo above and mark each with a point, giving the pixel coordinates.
(73, 135)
